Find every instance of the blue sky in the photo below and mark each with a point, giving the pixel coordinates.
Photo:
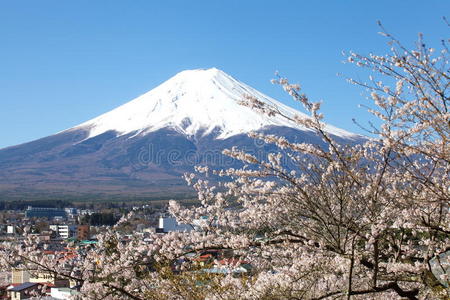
(64, 62)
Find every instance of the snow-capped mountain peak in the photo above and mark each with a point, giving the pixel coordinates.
(149, 142)
(192, 102)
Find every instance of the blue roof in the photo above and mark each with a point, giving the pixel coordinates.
(23, 286)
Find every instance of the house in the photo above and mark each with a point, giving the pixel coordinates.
(169, 224)
(62, 293)
(24, 291)
(11, 229)
(3, 292)
(48, 279)
(71, 212)
(64, 231)
(23, 276)
(19, 276)
(83, 232)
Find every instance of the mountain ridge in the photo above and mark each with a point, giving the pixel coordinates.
(174, 104)
(143, 147)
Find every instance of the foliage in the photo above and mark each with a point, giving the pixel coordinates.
(21, 205)
(97, 219)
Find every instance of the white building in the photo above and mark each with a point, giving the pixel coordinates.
(62, 293)
(71, 211)
(168, 224)
(64, 231)
(11, 229)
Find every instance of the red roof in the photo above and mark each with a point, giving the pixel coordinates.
(232, 261)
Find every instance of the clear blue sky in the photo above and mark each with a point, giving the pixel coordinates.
(64, 62)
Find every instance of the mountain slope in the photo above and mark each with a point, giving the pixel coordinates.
(191, 101)
(142, 148)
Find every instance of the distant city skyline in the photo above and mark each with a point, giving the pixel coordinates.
(63, 63)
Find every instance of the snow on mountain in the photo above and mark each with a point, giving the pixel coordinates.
(142, 148)
(193, 101)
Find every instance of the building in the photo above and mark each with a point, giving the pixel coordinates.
(83, 232)
(84, 212)
(64, 231)
(71, 212)
(19, 276)
(22, 276)
(168, 224)
(45, 212)
(23, 291)
(80, 232)
(62, 293)
(11, 229)
(49, 279)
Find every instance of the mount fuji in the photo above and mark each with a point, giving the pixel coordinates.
(141, 149)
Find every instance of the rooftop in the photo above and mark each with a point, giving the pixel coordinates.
(23, 286)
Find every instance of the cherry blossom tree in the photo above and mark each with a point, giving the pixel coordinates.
(368, 220)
